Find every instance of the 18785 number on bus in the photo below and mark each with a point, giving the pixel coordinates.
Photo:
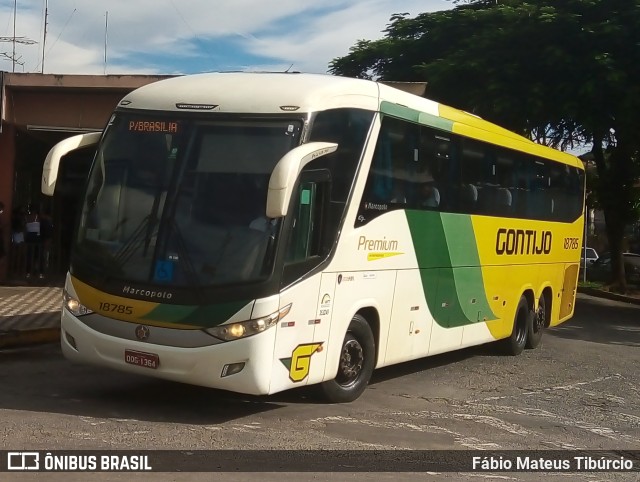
(116, 308)
(571, 243)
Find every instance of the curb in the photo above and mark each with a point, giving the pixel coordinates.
(608, 295)
(17, 338)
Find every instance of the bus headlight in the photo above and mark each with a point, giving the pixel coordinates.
(243, 329)
(74, 306)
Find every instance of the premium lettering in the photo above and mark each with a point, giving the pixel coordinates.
(377, 244)
(520, 241)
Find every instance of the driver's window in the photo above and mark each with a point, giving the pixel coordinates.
(301, 237)
(305, 246)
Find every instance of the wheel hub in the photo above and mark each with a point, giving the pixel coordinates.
(351, 361)
(540, 319)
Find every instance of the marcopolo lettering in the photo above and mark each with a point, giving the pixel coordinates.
(521, 241)
(164, 295)
(376, 206)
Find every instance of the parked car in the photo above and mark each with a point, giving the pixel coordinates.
(589, 254)
(600, 269)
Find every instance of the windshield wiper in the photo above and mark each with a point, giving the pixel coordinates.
(129, 248)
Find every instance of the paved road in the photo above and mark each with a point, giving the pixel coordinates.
(579, 390)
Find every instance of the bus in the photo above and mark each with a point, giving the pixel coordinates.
(257, 232)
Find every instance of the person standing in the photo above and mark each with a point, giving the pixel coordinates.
(33, 239)
(46, 235)
(2, 250)
(17, 257)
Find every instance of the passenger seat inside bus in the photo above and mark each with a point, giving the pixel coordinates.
(468, 198)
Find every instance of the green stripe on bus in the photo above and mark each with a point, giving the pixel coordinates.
(419, 117)
(205, 316)
(435, 121)
(450, 270)
(443, 301)
(463, 250)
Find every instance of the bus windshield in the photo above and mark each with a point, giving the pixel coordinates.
(181, 200)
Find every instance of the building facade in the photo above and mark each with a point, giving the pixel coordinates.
(36, 112)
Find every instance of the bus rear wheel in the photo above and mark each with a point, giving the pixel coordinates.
(514, 345)
(536, 324)
(355, 367)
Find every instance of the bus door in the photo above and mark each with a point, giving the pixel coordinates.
(302, 335)
(410, 327)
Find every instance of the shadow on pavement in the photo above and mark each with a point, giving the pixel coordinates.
(594, 321)
(39, 379)
(81, 390)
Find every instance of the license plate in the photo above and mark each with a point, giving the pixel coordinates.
(142, 359)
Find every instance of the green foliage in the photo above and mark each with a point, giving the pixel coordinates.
(563, 72)
(522, 65)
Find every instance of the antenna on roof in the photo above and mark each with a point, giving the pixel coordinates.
(15, 40)
(106, 28)
(44, 37)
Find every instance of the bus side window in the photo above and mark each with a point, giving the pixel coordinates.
(505, 193)
(306, 245)
(562, 189)
(576, 181)
(477, 177)
(391, 178)
(432, 169)
(542, 201)
(380, 179)
(302, 234)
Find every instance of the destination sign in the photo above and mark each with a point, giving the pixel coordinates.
(153, 126)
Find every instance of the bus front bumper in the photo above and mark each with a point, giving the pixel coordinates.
(205, 366)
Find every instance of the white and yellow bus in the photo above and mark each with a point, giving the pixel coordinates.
(260, 232)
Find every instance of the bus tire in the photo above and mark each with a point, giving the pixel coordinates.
(357, 359)
(536, 325)
(514, 345)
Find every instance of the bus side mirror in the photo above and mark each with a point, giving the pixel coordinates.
(62, 148)
(286, 172)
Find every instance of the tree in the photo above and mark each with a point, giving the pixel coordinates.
(562, 72)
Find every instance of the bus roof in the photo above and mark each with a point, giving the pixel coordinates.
(257, 93)
(272, 93)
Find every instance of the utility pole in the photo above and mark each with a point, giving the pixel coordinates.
(44, 37)
(13, 56)
(106, 30)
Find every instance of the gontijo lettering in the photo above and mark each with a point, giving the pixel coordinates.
(520, 241)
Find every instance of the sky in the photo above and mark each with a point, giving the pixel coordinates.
(191, 36)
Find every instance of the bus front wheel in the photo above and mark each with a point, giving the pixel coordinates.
(514, 345)
(355, 366)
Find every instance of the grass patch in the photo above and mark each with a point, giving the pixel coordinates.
(591, 284)
(632, 290)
